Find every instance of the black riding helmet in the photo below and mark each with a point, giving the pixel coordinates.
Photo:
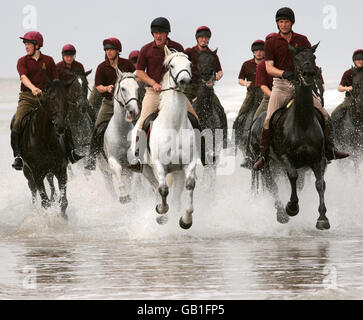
(285, 13)
(160, 24)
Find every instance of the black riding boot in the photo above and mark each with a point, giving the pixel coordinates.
(18, 161)
(264, 148)
(69, 145)
(91, 158)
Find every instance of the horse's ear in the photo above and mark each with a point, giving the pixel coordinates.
(70, 73)
(291, 48)
(215, 51)
(313, 48)
(167, 51)
(87, 72)
(118, 73)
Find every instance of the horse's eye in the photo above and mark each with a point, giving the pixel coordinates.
(123, 89)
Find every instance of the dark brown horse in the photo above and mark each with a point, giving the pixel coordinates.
(42, 145)
(298, 140)
(348, 124)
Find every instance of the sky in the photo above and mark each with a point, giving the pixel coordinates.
(234, 24)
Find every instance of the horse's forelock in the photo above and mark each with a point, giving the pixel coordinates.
(128, 75)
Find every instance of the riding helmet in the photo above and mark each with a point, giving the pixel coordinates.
(285, 13)
(112, 43)
(160, 24)
(203, 31)
(68, 50)
(258, 45)
(134, 55)
(34, 37)
(358, 55)
(270, 35)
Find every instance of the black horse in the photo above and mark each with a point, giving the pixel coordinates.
(348, 124)
(79, 119)
(213, 120)
(42, 146)
(242, 125)
(298, 139)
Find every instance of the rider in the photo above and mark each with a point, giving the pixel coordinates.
(133, 56)
(33, 69)
(68, 63)
(346, 83)
(203, 35)
(279, 64)
(105, 81)
(247, 76)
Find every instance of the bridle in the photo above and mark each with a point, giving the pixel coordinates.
(175, 79)
(125, 103)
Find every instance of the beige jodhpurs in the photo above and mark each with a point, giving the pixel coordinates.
(151, 102)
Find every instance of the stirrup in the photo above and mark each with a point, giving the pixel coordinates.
(18, 163)
(259, 164)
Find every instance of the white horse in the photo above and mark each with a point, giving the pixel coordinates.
(116, 143)
(172, 138)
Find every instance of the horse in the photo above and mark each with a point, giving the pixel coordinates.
(80, 123)
(172, 139)
(211, 116)
(348, 124)
(242, 125)
(114, 159)
(298, 140)
(42, 147)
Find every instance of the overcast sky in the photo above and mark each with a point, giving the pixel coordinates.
(235, 25)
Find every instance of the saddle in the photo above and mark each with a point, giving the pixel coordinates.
(147, 125)
(24, 122)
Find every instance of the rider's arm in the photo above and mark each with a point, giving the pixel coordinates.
(142, 75)
(272, 70)
(219, 75)
(244, 83)
(103, 89)
(26, 82)
(266, 90)
(344, 89)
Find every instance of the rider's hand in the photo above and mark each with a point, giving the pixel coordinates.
(248, 84)
(109, 88)
(36, 91)
(348, 89)
(156, 87)
(288, 75)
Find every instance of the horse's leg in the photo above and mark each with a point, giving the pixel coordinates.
(186, 220)
(149, 175)
(39, 182)
(50, 178)
(163, 188)
(319, 169)
(119, 173)
(292, 207)
(179, 180)
(62, 183)
(31, 183)
(271, 185)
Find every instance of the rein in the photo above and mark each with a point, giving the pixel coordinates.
(123, 98)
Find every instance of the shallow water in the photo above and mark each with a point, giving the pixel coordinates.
(234, 250)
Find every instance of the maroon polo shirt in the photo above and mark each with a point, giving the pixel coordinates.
(151, 59)
(248, 70)
(106, 74)
(262, 77)
(347, 80)
(36, 70)
(61, 69)
(193, 54)
(276, 49)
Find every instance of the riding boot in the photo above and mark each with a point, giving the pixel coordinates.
(330, 152)
(18, 161)
(91, 158)
(69, 145)
(264, 149)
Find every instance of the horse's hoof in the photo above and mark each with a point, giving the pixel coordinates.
(125, 199)
(160, 209)
(282, 217)
(162, 219)
(292, 209)
(46, 204)
(184, 225)
(64, 216)
(323, 224)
